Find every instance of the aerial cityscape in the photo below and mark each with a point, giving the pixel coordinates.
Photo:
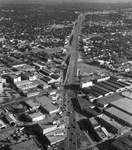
(65, 75)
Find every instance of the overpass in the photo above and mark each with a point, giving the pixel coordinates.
(70, 78)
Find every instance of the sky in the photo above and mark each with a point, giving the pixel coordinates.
(102, 1)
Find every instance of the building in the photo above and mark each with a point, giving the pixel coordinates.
(46, 105)
(86, 84)
(14, 78)
(32, 104)
(111, 124)
(38, 66)
(28, 76)
(56, 136)
(91, 112)
(127, 94)
(11, 119)
(106, 86)
(93, 123)
(44, 129)
(2, 125)
(119, 115)
(123, 104)
(105, 101)
(84, 103)
(25, 145)
(37, 116)
(25, 84)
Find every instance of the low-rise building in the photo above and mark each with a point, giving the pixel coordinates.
(11, 119)
(111, 124)
(36, 116)
(2, 125)
(46, 104)
(32, 104)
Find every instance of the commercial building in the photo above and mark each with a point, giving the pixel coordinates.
(100, 91)
(56, 136)
(44, 129)
(11, 119)
(25, 145)
(110, 124)
(123, 104)
(119, 115)
(25, 84)
(2, 125)
(84, 103)
(105, 101)
(28, 76)
(37, 116)
(91, 112)
(38, 66)
(127, 94)
(47, 105)
(32, 104)
(14, 78)
(106, 86)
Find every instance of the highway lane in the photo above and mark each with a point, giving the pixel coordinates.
(71, 140)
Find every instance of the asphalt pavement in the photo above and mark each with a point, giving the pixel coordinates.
(71, 140)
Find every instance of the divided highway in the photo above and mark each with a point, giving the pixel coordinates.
(71, 140)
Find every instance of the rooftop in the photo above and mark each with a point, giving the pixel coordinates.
(26, 145)
(123, 104)
(120, 114)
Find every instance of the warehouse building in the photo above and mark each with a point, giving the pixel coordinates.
(46, 104)
(123, 104)
(118, 83)
(94, 93)
(2, 125)
(84, 103)
(55, 136)
(38, 66)
(37, 116)
(91, 112)
(119, 115)
(106, 86)
(32, 104)
(118, 88)
(104, 89)
(11, 119)
(44, 129)
(127, 94)
(105, 101)
(111, 124)
(28, 76)
(100, 91)
(118, 145)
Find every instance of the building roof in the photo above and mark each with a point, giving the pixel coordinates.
(54, 136)
(26, 145)
(84, 102)
(119, 114)
(127, 94)
(91, 112)
(108, 99)
(35, 114)
(123, 104)
(32, 103)
(2, 124)
(46, 104)
(111, 121)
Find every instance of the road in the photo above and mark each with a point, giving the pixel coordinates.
(71, 140)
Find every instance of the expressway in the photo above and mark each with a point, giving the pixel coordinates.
(71, 140)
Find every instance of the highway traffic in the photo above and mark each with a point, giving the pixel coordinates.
(71, 141)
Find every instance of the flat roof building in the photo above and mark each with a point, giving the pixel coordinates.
(123, 104)
(11, 119)
(47, 105)
(32, 104)
(106, 86)
(37, 116)
(127, 94)
(2, 125)
(111, 124)
(105, 101)
(56, 136)
(119, 115)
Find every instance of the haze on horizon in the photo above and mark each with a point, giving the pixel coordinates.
(80, 1)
